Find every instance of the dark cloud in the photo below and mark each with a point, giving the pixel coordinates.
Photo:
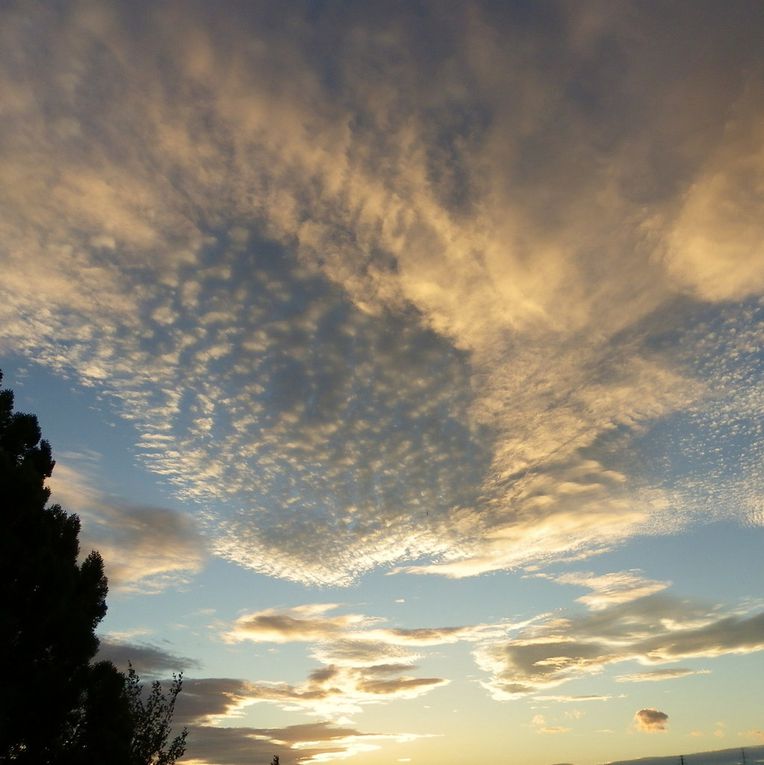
(145, 658)
(293, 744)
(651, 720)
(203, 698)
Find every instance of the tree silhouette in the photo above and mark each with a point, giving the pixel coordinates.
(56, 708)
(152, 722)
(50, 604)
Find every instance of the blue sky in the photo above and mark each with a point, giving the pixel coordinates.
(404, 363)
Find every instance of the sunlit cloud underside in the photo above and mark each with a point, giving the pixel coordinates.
(364, 320)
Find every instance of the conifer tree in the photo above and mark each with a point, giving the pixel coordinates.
(56, 706)
(50, 603)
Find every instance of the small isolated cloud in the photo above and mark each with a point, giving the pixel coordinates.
(651, 720)
(657, 675)
(540, 724)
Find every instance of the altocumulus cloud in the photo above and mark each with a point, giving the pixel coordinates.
(386, 321)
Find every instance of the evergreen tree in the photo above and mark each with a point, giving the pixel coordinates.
(50, 604)
(56, 708)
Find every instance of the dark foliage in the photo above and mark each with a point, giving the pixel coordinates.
(56, 708)
(50, 604)
(152, 722)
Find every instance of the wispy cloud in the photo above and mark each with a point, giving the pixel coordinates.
(658, 675)
(307, 743)
(331, 692)
(654, 630)
(539, 722)
(147, 659)
(313, 623)
(210, 707)
(146, 549)
(609, 589)
(363, 660)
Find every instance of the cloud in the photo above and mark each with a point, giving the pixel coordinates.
(145, 549)
(651, 720)
(539, 722)
(361, 652)
(207, 701)
(568, 699)
(658, 675)
(366, 320)
(609, 589)
(351, 634)
(209, 706)
(308, 743)
(298, 624)
(653, 630)
(363, 661)
(329, 692)
(146, 659)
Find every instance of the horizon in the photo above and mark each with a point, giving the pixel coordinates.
(404, 363)
(714, 757)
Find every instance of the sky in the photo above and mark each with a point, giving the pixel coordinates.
(403, 360)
